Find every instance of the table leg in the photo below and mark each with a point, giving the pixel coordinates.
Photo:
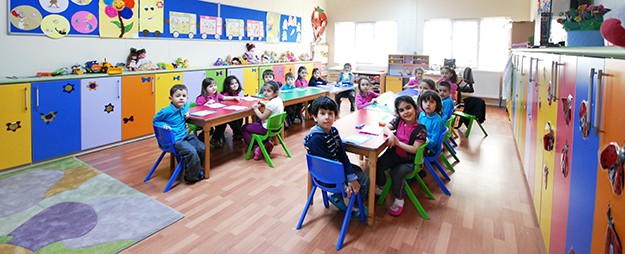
(373, 160)
(207, 153)
(309, 188)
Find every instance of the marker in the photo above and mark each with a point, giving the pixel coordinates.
(360, 126)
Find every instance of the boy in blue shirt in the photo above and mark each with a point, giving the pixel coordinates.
(324, 141)
(444, 89)
(190, 148)
(346, 79)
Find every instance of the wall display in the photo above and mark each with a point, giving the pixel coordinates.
(55, 26)
(319, 21)
(182, 23)
(234, 29)
(118, 19)
(273, 27)
(151, 16)
(211, 26)
(291, 29)
(25, 17)
(255, 29)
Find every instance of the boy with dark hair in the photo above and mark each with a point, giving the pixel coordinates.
(444, 91)
(346, 79)
(324, 141)
(190, 148)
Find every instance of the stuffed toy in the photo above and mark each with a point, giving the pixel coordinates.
(228, 60)
(235, 61)
(291, 56)
(131, 61)
(613, 26)
(283, 58)
(305, 57)
(250, 56)
(265, 57)
(274, 57)
(143, 63)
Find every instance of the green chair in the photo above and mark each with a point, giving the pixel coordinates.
(192, 127)
(418, 166)
(448, 137)
(275, 127)
(471, 119)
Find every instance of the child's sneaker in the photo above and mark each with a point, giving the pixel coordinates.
(337, 200)
(397, 208)
(257, 153)
(378, 191)
(216, 143)
(269, 146)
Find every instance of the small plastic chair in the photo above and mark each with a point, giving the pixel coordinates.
(275, 124)
(434, 159)
(448, 138)
(329, 176)
(166, 141)
(471, 118)
(418, 164)
(192, 127)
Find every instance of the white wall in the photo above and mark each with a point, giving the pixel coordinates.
(24, 55)
(411, 15)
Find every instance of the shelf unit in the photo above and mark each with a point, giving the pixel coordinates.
(401, 67)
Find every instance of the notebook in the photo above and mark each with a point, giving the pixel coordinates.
(356, 139)
(235, 107)
(373, 130)
(203, 113)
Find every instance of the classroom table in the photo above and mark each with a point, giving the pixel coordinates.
(372, 148)
(220, 116)
(298, 95)
(332, 88)
(410, 92)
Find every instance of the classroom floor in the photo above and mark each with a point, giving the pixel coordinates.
(247, 207)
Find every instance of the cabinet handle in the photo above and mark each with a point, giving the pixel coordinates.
(26, 97)
(152, 85)
(522, 63)
(597, 121)
(531, 79)
(557, 80)
(119, 92)
(552, 82)
(37, 97)
(591, 85)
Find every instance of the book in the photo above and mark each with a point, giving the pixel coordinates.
(373, 130)
(203, 113)
(236, 107)
(356, 139)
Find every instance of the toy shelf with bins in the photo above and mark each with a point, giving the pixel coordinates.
(404, 65)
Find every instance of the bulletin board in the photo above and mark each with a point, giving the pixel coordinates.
(159, 19)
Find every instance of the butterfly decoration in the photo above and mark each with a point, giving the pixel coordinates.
(612, 241)
(219, 73)
(146, 79)
(129, 119)
(612, 158)
(177, 78)
(253, 69)
(584, 119)
(549, 138)
(567, 106)
(564, 159)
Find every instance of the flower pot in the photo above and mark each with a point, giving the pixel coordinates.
(584, 38)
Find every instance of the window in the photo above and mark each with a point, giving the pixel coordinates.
(364, 43)
(475, 43)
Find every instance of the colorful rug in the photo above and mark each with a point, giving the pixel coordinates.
(67, 206)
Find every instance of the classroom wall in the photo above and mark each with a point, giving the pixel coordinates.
(24, 55)
(411, 15)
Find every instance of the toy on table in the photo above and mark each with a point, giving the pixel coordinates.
(77, 69)
(250, 56)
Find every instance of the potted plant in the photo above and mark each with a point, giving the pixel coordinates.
(582, 25)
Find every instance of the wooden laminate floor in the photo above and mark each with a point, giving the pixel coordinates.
(247, 207)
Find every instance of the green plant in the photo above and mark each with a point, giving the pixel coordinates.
(584, 17)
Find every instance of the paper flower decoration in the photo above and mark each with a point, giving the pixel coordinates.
(120, 9)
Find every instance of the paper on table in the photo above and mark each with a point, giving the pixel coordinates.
(248, 98)
(203, 113)
(235, 107)
(356, 139)
(216, 105)
(373, 130)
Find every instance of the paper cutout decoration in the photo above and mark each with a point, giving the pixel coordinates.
(273, 27)
(92, 86)
(54, 6)
(25, 17)
(109, 108)
(545, 175)
(612, 159)
(68, 88)
(255, 29)
(84, 22)
(82, 2)
(549, 138)
(584, 119)
(235, 29)
(291, 29)
(319, 22)
(182, 23)
(55, 26)
(211, 26)
(564, 160)
(152, 13)
(49, 117)
(118, 18)
(129, 119)
(13, 126)
(567, 107)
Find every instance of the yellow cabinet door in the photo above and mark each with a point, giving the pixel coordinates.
(393, 84)
(250, 77)
(164, 82)
(16, 132)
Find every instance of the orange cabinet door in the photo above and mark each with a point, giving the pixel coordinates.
(137, 105)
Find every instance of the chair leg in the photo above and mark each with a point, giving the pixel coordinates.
(451, 150)
(449, 166)
(424, 187)
(325, 199)
(482, 127)
(440, 169)
(249, 149)
(437, 179)
(147, 178)
(284, 146)
(466, 134)
(265, 154)
(348, 215)
(387, 187)
(310, 198)
(453, 141)
(174, 176)
(415, 201)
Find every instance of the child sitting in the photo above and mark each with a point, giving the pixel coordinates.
(231, 89)
(365, 96)
(316, 79)
(414, 82)
(190, 148)
(346, 79)
(399, 158)
(273, 107)
(324, 141)
(209, 96)
(448, 74)
(268, 75)
(448, 105)
(293, 111)
(430, 116)
(301, 77)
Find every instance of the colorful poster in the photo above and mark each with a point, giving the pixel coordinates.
(255, 29)
(212, 26)
(152, 14)
(55, 26)
(291, 30)
(235, 29)
(82, 2)
(118, 19)
(54, 6)
(84, 22)
(182, 23)
(25, 17)
(273, 27)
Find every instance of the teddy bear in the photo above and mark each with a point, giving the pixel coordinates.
(143, 63)
(265, 57)
(290, 56)
(305, 57)
(273, 57)
(613, 26)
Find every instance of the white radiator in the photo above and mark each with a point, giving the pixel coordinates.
(487, 84)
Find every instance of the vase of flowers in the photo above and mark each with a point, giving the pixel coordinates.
(582, 25)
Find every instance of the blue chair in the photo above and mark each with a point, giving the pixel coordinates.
(324, 173)
(166, 141)
(434, 159)
(418, 161)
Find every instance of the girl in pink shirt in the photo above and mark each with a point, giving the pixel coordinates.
(418, 76)
(365, 96)
(301, 77)
(448, 74)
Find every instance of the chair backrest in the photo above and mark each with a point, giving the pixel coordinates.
(449, 124)
(467, 76)
(275, 124)
(165, 139)
(418, 157)
(326, 174)
(192, 105)
(440, 139)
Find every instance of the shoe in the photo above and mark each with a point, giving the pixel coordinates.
(356, 213)
(397, 208)
(378, 191)
(257, 153)
(297, 120)
(202, 175)
(352, 109)
(337, 200)
(216, 143)
(422, 173)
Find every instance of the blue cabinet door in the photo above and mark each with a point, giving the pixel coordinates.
(100, 111)
(55, 118)
(583, 170)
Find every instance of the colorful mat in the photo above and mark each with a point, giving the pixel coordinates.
(67, 206)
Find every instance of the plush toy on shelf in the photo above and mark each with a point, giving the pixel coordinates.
(291, 56)
(265, 57)
(250, 56)
(219, 62)
(235, 61)
(305, 57)
(613, 26)
(181, 63)
(143, 64)
(131, 61)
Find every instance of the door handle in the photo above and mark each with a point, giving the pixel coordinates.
(26, 98)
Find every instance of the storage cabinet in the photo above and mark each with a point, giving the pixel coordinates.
(393, 84)
(164, 82)
(16, 125)
(262, 69)
(404, 65)
(137, 105)
(55, 118)
(193, 81)
(278, 70)
(239, 73)
(100, 111)
(250, 80)
(219, 75)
